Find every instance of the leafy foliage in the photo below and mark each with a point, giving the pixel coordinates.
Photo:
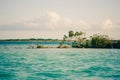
(100, 41)
(79, 40)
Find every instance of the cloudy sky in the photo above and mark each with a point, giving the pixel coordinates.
(54, 18)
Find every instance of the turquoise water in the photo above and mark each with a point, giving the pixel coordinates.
(17, 63)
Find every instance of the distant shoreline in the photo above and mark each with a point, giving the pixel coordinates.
(32, 40)
(41, 45)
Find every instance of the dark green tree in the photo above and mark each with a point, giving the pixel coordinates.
(71, 34)
(100, 41)
(88, 44)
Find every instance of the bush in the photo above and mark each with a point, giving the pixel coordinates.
(40, 46)
(64, 46)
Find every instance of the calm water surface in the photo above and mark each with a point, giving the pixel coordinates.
(17, 62)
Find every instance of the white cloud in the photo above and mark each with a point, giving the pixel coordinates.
(83, 25)
(107, 24)
(52, 24)
(53, 18)
(50, 21)
(55, 21)
(67, 20)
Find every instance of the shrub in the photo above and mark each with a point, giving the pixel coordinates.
(64, 46)
(40, 46)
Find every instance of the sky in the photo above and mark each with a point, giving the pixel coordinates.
(54, 18)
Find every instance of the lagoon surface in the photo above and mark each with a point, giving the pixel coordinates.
(18, 62)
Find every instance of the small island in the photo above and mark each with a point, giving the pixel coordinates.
(73, 39)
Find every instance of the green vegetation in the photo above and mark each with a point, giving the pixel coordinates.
(61, 44)
(79, 40)
(40, 46)
(64, 46)
(100, 41)
(116, 44)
